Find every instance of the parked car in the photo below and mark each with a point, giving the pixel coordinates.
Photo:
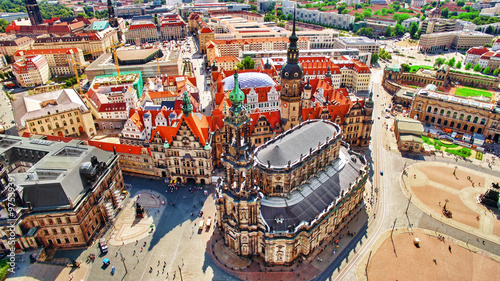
(103, 245)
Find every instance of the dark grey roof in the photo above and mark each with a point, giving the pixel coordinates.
(312, 198)
(291, 146)
(54, 181)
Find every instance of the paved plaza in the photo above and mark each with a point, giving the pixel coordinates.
(435, 184)
(435, 259)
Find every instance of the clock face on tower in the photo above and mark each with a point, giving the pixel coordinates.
(285, 105)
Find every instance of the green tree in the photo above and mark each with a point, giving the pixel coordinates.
(246, 63)
(388, 31)
(358, 17)
(486, 70)
(374, 58)
(445, 12)
(367, 13)
(413, 29)
(460, 3)
(495, 72)
(468, 66)
(458, 65)
(490, 29)
(477, 68)
(451, 62)
(399, 30)
(405, 67)
(439, 61)
(340, 9)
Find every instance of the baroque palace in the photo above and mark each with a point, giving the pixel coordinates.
(288, 196)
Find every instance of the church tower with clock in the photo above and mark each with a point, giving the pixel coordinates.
(291, 83)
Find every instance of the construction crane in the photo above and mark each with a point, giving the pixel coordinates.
(113, 51)
(74, 64)
(158, 65)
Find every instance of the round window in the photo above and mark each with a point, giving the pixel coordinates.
(296, 74)
(286, 73)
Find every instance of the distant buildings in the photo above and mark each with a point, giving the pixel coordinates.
(58, 113)
(60, 61)
(172, 27)
(418, 3)
(458, 40)
(328, 18)
(31, 71)
(9, 45)
(364, 44)
(436, 25)
(64, 193)
(142, 31)
(440, 78)
(143, 60)
(92, 43)
(235, 47)
(483, 57)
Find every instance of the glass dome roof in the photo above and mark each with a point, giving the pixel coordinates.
(248, 80)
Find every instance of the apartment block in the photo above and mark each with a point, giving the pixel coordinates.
(141, 32)
(453, 39)
(363, 44)
(172, 27)
(31, 71)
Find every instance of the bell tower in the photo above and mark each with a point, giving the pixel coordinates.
(34, 12)
(291, 83)
(237, 149)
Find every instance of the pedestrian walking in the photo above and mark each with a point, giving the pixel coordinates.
(449, 248)
(141, 249)
(435, 261)
(133, 253)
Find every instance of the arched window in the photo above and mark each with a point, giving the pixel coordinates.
(427, 118)
(439, 121)
(445, 123)
(475, 119)
(429, 109)
(441, 112)
(452, 124)
(469, 118)
(455, 115)
(483, 121)
(462, 116)
(448, 114)
(435, 110)
(466, 127)
(459, 125)
(433, 119)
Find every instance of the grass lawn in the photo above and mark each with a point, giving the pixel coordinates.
(414, 68)
(471, 92)
(463, 152)
(438, 144)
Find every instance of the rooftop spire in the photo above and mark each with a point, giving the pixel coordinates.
(236, 96)
(187, 107)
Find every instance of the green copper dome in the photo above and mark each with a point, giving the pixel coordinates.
(236, 96)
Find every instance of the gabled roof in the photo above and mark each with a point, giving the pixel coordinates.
(273, 117)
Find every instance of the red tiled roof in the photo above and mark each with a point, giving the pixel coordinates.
(119, 148)
(112, 107)
(477, 51)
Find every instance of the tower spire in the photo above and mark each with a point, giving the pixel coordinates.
(187, 107)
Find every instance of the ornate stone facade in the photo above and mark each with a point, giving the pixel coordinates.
(458, 114)
(441, 78)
